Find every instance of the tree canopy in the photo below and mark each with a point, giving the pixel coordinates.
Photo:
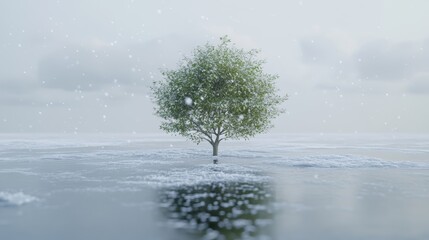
(219, 92)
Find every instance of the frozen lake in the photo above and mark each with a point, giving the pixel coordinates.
(159, 187)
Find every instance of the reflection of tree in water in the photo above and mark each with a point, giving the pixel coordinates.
(221, 210)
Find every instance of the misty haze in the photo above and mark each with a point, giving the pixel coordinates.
(112, 114)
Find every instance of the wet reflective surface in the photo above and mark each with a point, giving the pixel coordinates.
(221, 210)
(280, 187)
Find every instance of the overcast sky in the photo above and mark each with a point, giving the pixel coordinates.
(85, 66)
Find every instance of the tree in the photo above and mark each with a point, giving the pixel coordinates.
(220, 92)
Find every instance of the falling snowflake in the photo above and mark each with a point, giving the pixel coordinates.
(188, 101)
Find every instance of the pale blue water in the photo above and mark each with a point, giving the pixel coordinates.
(159, 187)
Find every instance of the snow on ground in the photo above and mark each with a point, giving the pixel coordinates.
(201, 174)
(15, 199)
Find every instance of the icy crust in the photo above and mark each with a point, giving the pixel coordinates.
(300, 160)
(15, 199)
(200, 174)
(129, 164)
(342, 161)
(23, 171)
(38, 144)
(266, 158)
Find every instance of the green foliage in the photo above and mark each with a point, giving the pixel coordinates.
(220, 92)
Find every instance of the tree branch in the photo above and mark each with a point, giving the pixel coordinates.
(217, 134)
(201, 130)
(209, 141)
(222, 131)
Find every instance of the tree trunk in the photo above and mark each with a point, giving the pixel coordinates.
(215, 151)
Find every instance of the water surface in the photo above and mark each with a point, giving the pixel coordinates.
(158, 187)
